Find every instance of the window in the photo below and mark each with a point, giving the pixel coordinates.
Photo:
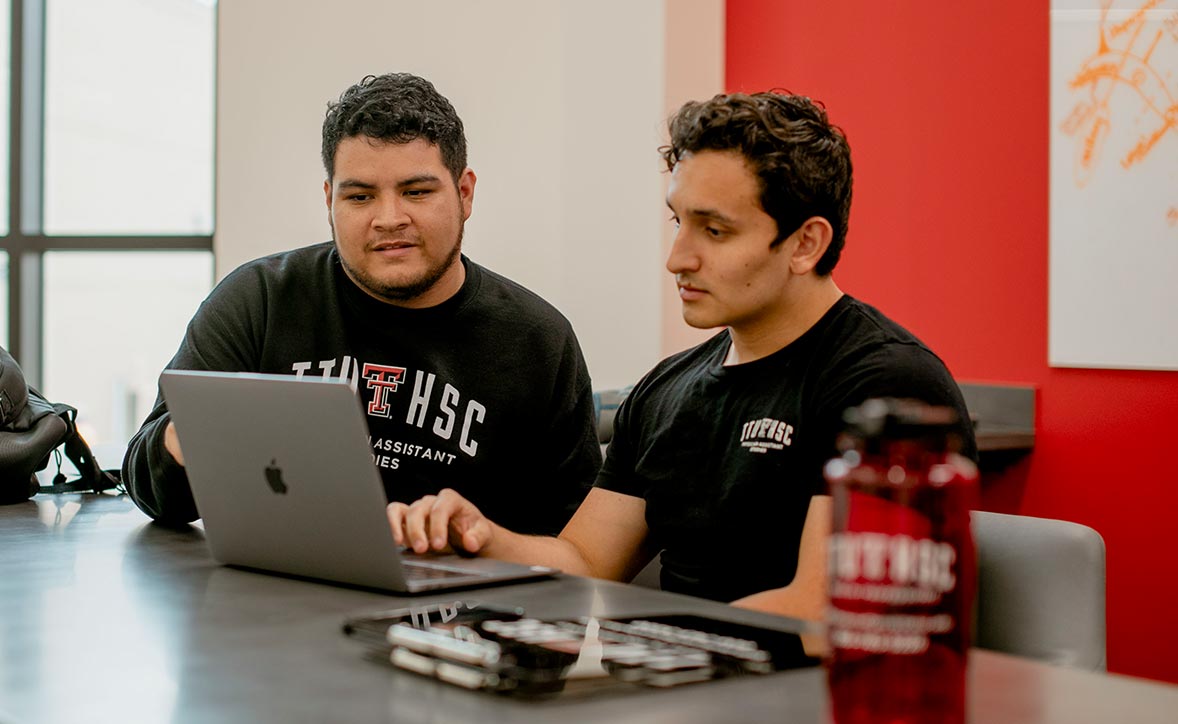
(107, 206)
(106, 338)
(4, 299)
(128, 117)
(5, 110)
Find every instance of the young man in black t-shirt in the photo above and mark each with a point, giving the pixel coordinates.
(717, 454)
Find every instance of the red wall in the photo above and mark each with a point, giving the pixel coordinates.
(946, 109)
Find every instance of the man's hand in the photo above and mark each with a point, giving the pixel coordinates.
(435, 521)
(604, 539)
(172, 443)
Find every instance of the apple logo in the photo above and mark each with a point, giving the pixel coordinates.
(274, 477)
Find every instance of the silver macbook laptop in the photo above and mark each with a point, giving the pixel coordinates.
(283, 477)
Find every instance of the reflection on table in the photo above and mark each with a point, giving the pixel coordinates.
(105, 616)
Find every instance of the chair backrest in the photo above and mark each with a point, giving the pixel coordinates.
(1041, 589)
(605, 406)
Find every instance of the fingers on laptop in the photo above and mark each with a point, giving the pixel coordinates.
(433, 521)
(409, 523)
(456, 519)
(452, 519)
(396, 513)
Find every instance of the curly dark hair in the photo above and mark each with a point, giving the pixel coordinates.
(803, 161)
(395, 108)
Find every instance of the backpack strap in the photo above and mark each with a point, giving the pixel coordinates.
(91, 476)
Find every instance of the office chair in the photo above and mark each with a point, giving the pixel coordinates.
(1041, 589)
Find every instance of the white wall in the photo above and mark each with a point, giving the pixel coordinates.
(694, 57)
(564, 105)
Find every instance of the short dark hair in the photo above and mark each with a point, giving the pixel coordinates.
(803, 161)
(395, 108)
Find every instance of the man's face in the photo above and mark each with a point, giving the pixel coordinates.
(726, 271)
(396, 216)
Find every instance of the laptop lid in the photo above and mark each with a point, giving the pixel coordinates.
(282, 474)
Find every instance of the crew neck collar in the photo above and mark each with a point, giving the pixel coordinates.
(718, 369)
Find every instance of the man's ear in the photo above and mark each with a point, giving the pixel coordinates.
(327, 198)
(813, 239)
(466, 192)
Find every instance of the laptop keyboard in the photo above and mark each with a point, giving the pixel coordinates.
(415, 571)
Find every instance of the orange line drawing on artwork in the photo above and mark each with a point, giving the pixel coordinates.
(1116, 67)
(1136, 17)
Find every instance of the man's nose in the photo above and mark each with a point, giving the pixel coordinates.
(391, 213)
(682, 257)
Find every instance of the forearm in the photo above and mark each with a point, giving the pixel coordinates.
(536, 550)
(605, 539)
(155, 481)
(792, 600)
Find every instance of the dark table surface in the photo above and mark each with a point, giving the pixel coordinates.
(106, 617)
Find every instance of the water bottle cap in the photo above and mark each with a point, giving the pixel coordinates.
(891, 418)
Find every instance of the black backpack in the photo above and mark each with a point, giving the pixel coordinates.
(31, 430)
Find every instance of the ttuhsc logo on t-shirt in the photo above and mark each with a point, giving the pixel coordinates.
(446, 414)
(766, 434)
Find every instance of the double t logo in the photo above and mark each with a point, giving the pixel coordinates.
(382, 380)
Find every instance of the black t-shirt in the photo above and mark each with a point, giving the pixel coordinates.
(727, 458)
(486, 393)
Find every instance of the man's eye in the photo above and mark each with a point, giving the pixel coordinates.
(417, 193)
(674, 220)
(713, 232)
(359, 197)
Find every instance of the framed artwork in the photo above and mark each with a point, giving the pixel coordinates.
(1113, 252)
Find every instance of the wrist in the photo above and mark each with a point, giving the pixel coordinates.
(172, 444)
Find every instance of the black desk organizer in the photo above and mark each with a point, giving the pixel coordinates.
(501, 651)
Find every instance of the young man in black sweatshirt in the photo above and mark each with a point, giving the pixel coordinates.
(469, 380)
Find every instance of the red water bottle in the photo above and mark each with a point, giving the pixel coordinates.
(902, 568)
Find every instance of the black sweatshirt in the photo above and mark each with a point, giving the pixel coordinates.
(486, 393)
